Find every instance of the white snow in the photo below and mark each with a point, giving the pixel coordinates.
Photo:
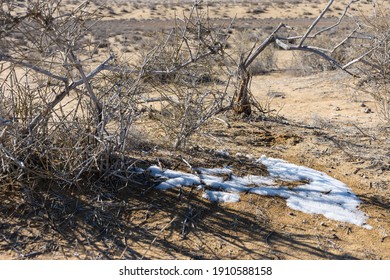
(323, 195)
(154, 170)
(222, 153)
(320, 194)
(174, 178)
(215, 171)
(217, 196)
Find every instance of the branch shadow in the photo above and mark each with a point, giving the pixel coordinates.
(139, 222)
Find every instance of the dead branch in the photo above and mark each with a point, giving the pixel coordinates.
(40, 70)
(88, 86)
(67, 90)
(315, 22)
(314, 50)
(270, 39)
(340, 19)
(325, 29)
(241, 96)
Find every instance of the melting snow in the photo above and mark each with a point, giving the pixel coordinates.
(221, 196)
(319, 194)
(174, 178)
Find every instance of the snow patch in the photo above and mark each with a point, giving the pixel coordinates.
(217, 196)
(322, 195)
(317, 194)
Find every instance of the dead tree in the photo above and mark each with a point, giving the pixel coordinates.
(242, 103)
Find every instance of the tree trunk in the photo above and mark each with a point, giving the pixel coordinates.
(242, 105)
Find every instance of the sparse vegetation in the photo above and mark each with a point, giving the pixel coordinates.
(86, 103)
(375, 73)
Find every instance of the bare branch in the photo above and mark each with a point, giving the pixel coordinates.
(315, 22)
(102, 66)
(313, 50)
(345, 39)
(88, 86)
(271, 38)
(339, 20)
(66, 91)
(15, 61)
(358, 59)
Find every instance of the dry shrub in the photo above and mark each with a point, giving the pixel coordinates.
(375, 72)
(66, 146)
(193, 88)
(68, 119)
(65, 120)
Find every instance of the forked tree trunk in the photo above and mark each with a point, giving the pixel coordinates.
(242, 105)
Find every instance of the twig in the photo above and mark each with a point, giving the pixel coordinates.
(270, 39)
(228, 125)
(267, 237)
(363, 133)
(187, 163)
(315, 22)
(360, 58)
(10, 59)
(11, 157)
(124, 250)
(155, 238)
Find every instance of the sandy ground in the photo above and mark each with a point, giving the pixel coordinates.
(229, 9)
(321, 124)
